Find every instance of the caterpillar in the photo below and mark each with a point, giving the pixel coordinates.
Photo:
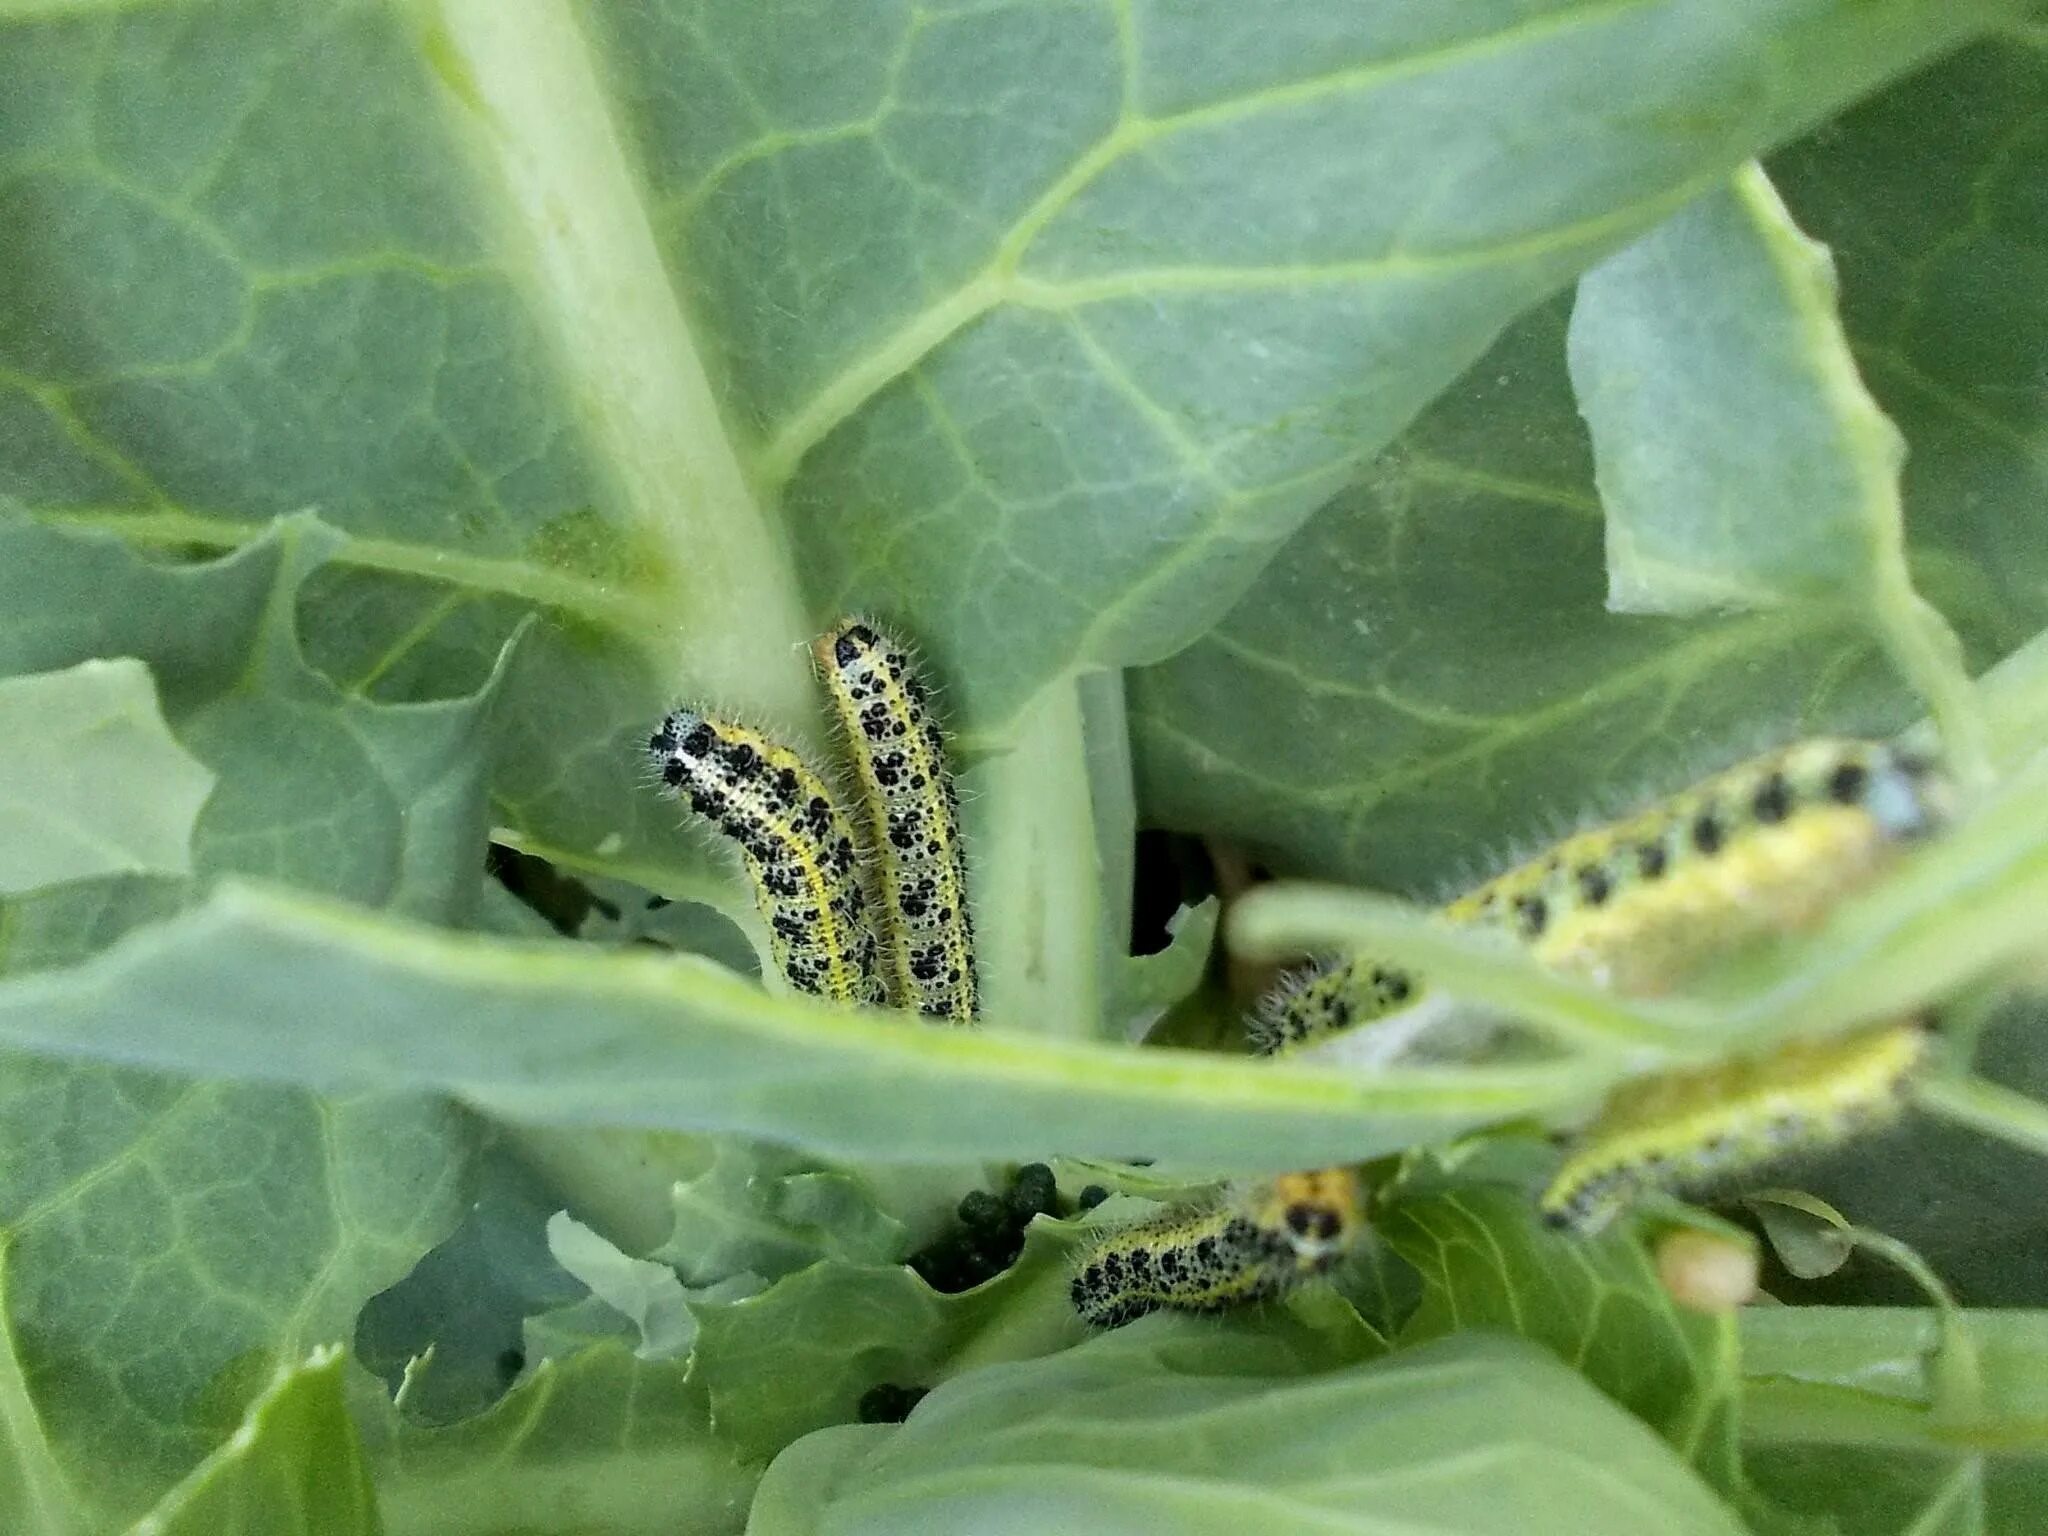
(1678, 1130)
(1314, 1001)
(1259, 1242)
(800, 854)
(898, 753)
(1768, 844)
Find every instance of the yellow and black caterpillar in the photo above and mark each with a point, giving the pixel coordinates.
(880, 918)
(797, 846)
(1638, 903)
(1259, 1242)
(1687, 1129)
(898, 754)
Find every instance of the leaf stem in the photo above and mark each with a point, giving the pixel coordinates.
(1285, 920)
(1037, 872)
(524, 91)
(1986, 1107)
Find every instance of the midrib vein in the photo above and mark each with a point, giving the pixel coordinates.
(527, 95)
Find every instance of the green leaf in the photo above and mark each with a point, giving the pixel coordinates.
(1924, 194)
(1467, 701)
(293, 1466)
(603, 1445)
(600, 319)
(91, 780)
(647, 1294)
(547, 1034)
(762, 1209)
(1464, 702)
(1837, 1420)
(113, 1174)
(382, 804)
(1487, 1262)
(1191, 1427)
(1741, 461)
(800, 1355)
(452, 1335)
(1806, 1234)
(167, 1245)
(1149, 985)
(1220, 358)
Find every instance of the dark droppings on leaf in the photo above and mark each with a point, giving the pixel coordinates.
(1034, 1193)
(981, 1211)
(1090, 1197)
(989, 1234)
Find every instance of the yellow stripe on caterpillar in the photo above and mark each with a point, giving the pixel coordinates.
(1262, 1240)
(1767, 845)
(898, 751)
(798, 849)
(1680, 1130)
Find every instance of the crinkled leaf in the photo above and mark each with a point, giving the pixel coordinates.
(382, 804)
(1149, 985)
(169, 1240)
(646, 1293)
(452, 1332)
(802, 1353)
(765, 1210)
(91, 780)
(1166, 1426)
(293, 1467)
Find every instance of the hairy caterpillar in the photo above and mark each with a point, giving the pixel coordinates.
(1262, 1240)
(1768, 844)
(1682, 1129)
(799, 852)
(898, 753)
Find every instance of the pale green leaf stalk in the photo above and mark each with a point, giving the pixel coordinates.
(555, 1034)
(521, 83)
